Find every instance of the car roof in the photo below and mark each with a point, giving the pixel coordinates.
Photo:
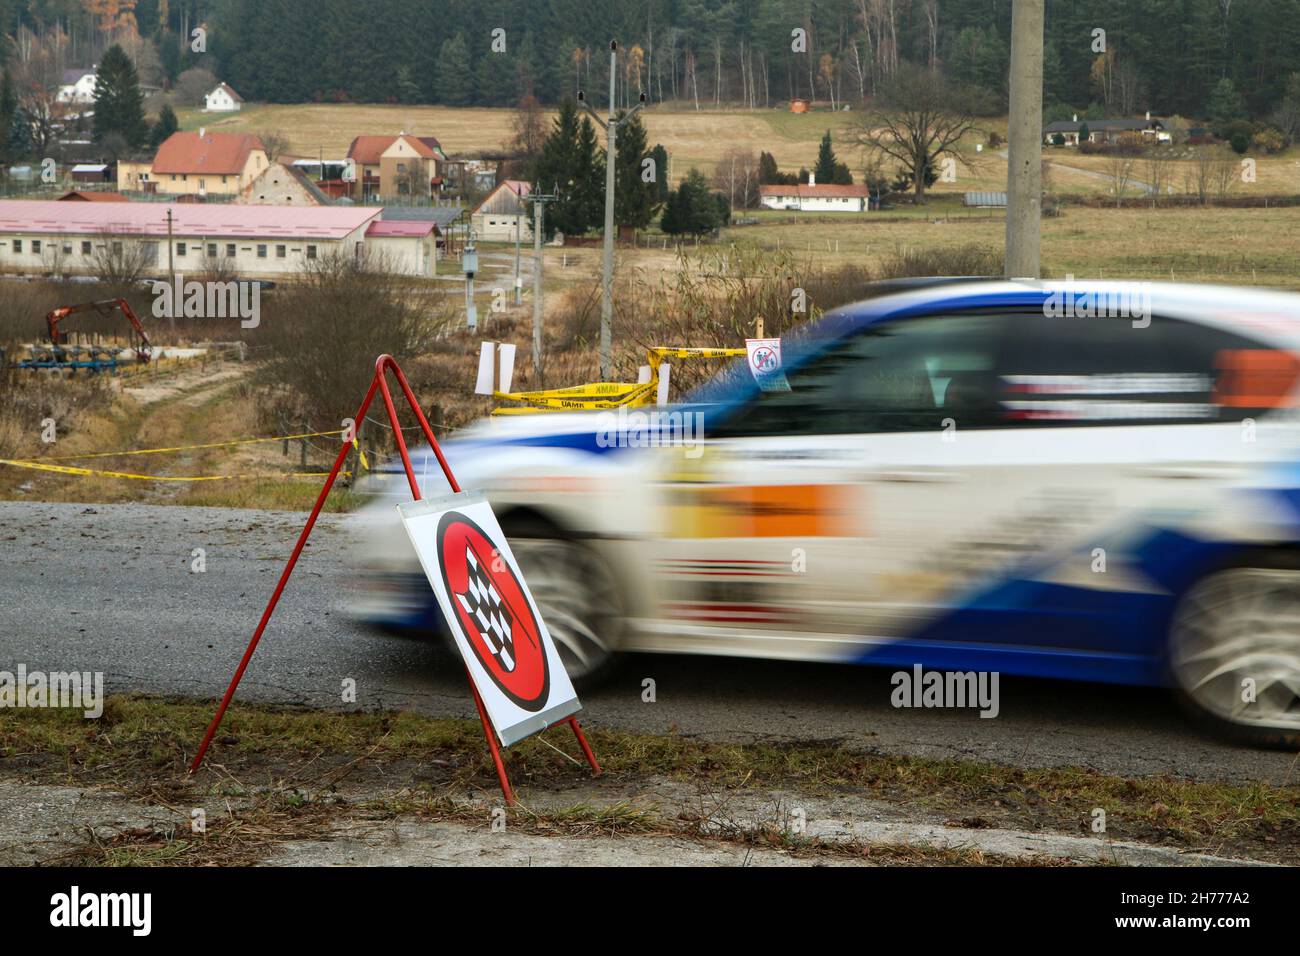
(1267, 313)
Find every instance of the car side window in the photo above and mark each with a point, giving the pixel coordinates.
(1106, 371)
(906, 375)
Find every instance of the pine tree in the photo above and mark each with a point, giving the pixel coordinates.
(8, 114)
(568, 163)
(166, 125)
(660, 155)
(693, 208)
(119, 104)
(635, 200)
(589, 183)
(825, 168)
(455, 79)
(1225, 107)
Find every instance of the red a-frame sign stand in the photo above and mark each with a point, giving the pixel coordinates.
(383, 364)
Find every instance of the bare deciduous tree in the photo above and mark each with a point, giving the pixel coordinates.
(120, 261)
(274, 142)
(918, 119)
(529, 130)
(1121, 175)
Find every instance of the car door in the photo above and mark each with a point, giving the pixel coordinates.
(1107, 433)
(779, 532)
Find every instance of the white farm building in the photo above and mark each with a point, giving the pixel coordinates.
(72, 238)
(809, 197)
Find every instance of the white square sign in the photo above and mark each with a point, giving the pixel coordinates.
(492, 616)
(765, 364)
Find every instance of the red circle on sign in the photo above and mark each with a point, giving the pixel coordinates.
(493, 614)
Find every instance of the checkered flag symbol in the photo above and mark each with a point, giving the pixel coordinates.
(483, 604)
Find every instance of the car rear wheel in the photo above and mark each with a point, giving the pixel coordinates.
(576, 595)
(1235, 651)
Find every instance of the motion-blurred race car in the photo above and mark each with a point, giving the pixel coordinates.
(1091, 481)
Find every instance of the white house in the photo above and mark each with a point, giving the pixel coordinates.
(502, 212)
(223, 100)
(78, 86)
(810, 197)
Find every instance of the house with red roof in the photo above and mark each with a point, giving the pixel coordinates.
(810, 197)
(201, 163)
(401, 165)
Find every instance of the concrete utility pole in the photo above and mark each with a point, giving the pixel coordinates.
(171, 266)
(1025, 140)
(539, 200)
(469, 265)
(611, 126)
(519, 227)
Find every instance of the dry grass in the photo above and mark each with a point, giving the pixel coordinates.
(299, 757)
(1237, 246)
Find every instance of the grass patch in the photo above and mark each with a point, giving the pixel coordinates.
(141, 745)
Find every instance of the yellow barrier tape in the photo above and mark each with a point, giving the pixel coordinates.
(590, 390)
(360, 454)
(159, 451)
(69, 470)
(607, 394)
(657, 355)
(638, 395)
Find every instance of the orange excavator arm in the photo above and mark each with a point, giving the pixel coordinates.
(143, 351)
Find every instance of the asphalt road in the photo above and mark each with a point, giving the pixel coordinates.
(110, 588)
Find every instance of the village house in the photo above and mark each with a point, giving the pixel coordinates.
(1105, 130)
(502, 212)
(281, 185)
(198, 164)
(223, 100)
(46, 237)
(78, 87)
(810, 197)
(84, 196)
(402, 165)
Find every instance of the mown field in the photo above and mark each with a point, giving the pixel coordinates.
(699, 138)
(691, 138)
(1237, 246)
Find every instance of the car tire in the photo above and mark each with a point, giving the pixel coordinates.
(576, 595)
(1240, 624)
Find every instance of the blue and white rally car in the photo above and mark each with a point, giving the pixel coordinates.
(1085, 481)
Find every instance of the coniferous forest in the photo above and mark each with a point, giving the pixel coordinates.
(1167, 56)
